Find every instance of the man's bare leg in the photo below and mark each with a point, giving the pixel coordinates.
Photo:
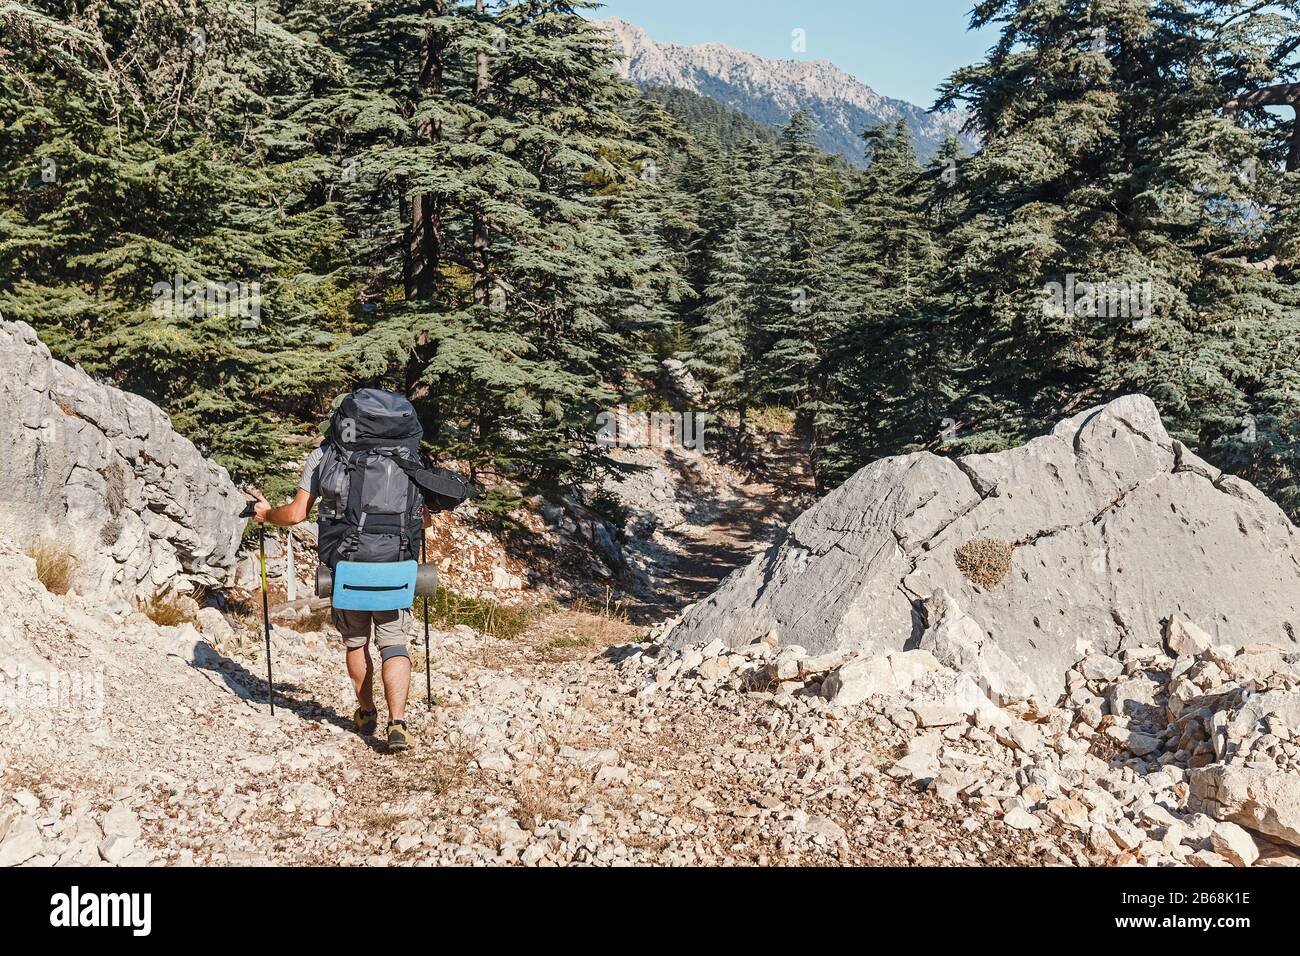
(362, 671)
(396, 673)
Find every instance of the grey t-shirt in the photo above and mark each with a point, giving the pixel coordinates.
(311, 472)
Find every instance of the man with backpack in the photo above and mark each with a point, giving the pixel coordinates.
(375, 498)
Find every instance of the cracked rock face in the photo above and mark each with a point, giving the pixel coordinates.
(1114, 525)
(102, 473)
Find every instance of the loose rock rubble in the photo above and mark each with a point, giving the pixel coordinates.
(542, 750)
(1160, 755)
(545, 751)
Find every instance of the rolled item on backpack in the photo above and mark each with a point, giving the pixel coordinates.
(426, 581)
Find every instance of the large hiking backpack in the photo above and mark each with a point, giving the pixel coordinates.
(372, 482)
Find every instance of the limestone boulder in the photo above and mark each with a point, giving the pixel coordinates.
(1112, 527)
(1263, 800)
(103, 473)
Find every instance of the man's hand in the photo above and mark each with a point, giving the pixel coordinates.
(286, 515)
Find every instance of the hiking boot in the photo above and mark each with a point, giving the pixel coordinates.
(399, 738)
(367, 721)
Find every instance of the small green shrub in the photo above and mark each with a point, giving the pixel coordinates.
(606, 504)
(498, 504)
(447, 609)
(648, 402)
(771, 418)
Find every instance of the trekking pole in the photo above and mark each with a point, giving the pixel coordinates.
(428, 665)
(248, 512)
(266, 613)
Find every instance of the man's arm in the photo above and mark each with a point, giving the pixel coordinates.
(294, 512)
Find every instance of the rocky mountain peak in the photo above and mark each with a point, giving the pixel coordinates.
(769, 90)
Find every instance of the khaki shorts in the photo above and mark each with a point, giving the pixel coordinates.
(391, 627)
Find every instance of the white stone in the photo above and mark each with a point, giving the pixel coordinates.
(611, 775)
(115, 848)
(312, 797)
(1135, 696)
(20, 841)
(854, 682)
(1020, 735)
(1020, 819)
(1263, 800)
(120, 821)
(919, 766)
(213, 623)
(147, 508)
(1185, 639)
(1100, 667)
(1234, 844)
(937, 715)
(887, 537)
(1137, 743)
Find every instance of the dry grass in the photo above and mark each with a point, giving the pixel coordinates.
(166, 609)
(313, 622)
(440, 772)
(115, 499)
(55, 565)
(538, 801)
(984, 561)
(111, 531)
(1104, 748)
(383, 821)
(576, 630)
(114, 488)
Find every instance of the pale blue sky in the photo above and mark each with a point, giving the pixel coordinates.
(901, 48)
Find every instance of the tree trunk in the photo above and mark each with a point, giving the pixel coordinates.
(424, 237)
(742, 430)
(424, 244)
(1280, 94)
(482, 284)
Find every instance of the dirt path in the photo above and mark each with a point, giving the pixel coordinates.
(549, 748)
(764, 505)
(537, 750)
(726, 544)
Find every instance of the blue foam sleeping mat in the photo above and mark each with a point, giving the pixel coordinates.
(374, 587)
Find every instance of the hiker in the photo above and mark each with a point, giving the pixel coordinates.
(376, 499)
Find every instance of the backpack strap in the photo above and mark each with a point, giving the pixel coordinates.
(356, 477)
(442, 488)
